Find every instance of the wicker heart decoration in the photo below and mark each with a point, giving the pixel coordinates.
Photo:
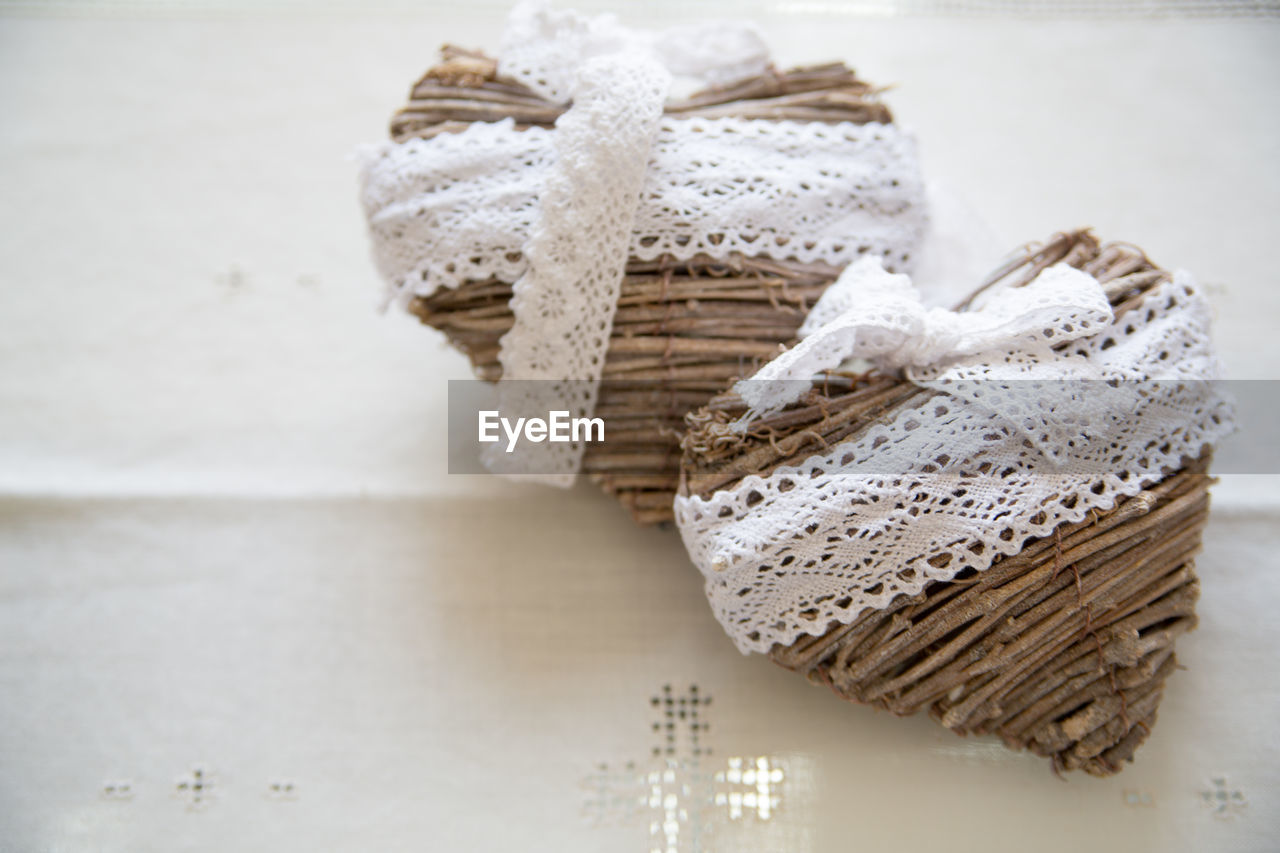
(553, 229)
(1004, 537)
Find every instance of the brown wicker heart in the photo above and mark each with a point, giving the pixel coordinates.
(683, 329)
(1062, 649)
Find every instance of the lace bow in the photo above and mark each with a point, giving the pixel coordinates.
(545, 49)
(878, 316)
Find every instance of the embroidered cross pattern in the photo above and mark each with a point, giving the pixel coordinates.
(680, 714)
(676, 793)
(196, 787)
(118, 789)
(749, 786)
(676, 797)
(282, 789)
(1223, 800)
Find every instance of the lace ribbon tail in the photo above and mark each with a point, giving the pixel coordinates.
(577, 254)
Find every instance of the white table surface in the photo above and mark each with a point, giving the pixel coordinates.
(227, 535)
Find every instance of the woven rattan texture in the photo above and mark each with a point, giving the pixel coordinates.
(1061, 649)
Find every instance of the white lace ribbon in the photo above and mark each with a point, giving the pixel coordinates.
(1014, 447)
(577, 254)
(564, 303)
(460, 207)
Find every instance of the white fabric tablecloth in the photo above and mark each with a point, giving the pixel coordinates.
(244, 607)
